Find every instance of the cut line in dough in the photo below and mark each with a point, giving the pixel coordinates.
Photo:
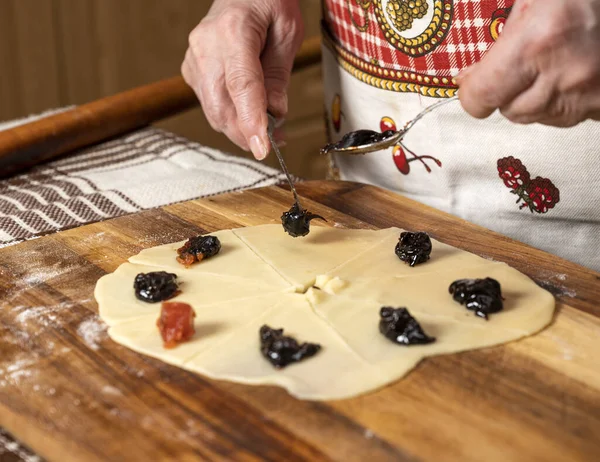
(354, 273)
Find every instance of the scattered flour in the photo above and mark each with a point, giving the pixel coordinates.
(566, 350)
(47, 316)
(109, 390)
(17, 371)
(369, 434)
(44, 315)
(92, 331)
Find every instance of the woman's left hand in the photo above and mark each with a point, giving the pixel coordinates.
(544, 68)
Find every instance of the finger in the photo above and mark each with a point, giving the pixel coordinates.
(188, 68)
(497, 79)
(279, 135)
(532, 105)
(246, 86)
(565, 110)
(277, 60)
(219, 110)
(556, 121)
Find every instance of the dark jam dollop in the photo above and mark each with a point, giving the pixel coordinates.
(155, 287)
(358, 138)
(296, 221)
(413, 248)
(197, 249)
(483, 296)
(281, 350)
(399, 326)
(176, 323)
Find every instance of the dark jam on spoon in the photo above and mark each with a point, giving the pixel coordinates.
(296, 222)
(483, 296)
(413, 248)
(358, 138)
(197, 249)
(400, 327)
(281, 350)
(156, 286)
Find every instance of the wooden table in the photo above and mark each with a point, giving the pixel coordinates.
(73, 395)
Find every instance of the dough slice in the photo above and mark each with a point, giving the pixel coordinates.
(300, 260)
(214, 325)
(527, 307)
(357, 321)
(335, 372)
(117, 302)
(381, 261)
(235, 259)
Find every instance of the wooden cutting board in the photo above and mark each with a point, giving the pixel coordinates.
(73, 395)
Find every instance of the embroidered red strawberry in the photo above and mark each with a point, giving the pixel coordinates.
(542, 195)
(539, 194)
(513, 172)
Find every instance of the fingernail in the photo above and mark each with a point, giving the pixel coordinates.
(284, 103)
(281, 144)
(279, 122)
(258, 148)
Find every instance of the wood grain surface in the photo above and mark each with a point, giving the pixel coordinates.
(73, 395)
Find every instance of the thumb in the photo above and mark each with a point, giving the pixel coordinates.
(283, 41)
(498, 78)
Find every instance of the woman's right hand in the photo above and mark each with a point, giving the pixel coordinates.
(239, 63)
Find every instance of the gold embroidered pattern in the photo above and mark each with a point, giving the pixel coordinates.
(404, 12)
(389, 79)
(424, 43)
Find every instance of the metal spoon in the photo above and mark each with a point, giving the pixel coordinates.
(376, 141)
(270, 129)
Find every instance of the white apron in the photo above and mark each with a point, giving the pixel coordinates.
(386, 60)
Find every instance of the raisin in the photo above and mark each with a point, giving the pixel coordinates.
(483, 296)
(197, 249)
(281, 350)
(296, 222)
(399, 326)
(358, 138)
(156, 286)
(413, 248)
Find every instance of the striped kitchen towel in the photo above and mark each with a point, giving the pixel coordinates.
(142, 170)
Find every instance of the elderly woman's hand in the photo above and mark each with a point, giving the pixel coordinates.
(239, 63)
(544, 68)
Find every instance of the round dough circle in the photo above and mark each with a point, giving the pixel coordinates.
(326, 288)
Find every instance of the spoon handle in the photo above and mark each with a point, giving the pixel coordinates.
(270, 129)
(424, 112)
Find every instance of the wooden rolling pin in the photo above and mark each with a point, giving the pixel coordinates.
(33, 143)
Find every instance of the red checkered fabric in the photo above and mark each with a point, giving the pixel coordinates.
(467, 39)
